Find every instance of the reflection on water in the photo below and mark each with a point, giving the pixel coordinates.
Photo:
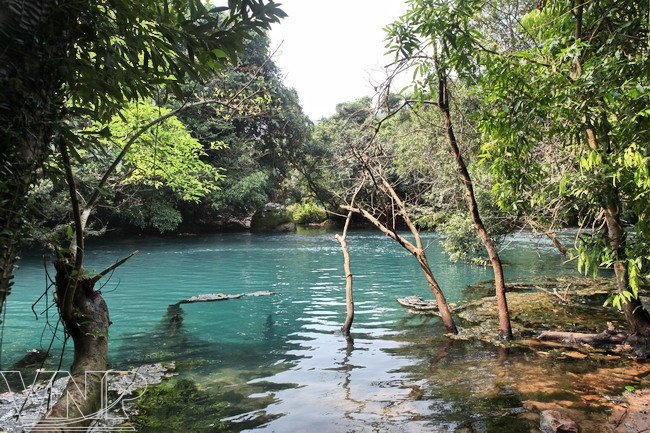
(277, 363)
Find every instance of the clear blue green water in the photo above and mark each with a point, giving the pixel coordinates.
(279, 360)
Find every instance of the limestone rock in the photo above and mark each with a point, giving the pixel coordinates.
(552, 421)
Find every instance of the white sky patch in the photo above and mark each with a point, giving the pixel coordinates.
(333, 51)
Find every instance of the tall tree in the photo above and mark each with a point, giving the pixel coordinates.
(432, 37)
(72, 57)
(584, 86)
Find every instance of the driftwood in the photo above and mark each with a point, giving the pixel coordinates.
(611, 337)
(608, 336)
(212, 297)
(418, 305)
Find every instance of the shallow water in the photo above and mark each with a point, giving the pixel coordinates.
(278, 361)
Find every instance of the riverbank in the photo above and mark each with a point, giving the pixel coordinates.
(602, 389)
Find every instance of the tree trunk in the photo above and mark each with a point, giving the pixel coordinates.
(418, 252)
(637, 316)
(349, 300)
(443, 307)
(637, 344)
(29, 81)
(608, 337)
(505, 330)
(88, 329)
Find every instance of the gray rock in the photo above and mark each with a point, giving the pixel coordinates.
(552, 421)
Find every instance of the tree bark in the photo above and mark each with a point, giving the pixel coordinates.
(349, 300)
(636, 315)
(505, 330)
(549, 234)
(638, 344)
(88, 328)
(420, 255)
(608, 336)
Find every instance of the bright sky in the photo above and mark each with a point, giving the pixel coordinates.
(333, 50)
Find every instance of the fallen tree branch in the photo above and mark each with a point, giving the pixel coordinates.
(212, 297)
(608, 336)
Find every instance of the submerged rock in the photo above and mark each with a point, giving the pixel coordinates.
(21, 408)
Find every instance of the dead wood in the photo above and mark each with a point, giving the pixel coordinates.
(549, 234)
(608, 336)
(418, 305)
(212, 297)
(638, 345)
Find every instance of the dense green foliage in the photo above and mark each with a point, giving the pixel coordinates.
(65, 60)
(263, 139)
(307, 213)
(169, 178)
(563, 116)
(582, 98)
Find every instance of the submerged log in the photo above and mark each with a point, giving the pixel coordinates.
(418, 305)
(212, 297)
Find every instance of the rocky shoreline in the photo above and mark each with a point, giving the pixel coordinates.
(21, 409)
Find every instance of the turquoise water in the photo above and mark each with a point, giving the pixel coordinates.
(279, 358)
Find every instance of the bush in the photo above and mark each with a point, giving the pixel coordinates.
(307, 213)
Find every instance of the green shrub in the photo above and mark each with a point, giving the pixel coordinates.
(307, 213)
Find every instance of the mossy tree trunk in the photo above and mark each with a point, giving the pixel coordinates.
(637, 317)
(87, 324)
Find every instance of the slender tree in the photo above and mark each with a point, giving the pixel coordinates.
(343, 240)
(427, 37)
(418, 250)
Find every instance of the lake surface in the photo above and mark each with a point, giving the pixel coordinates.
(278, 363)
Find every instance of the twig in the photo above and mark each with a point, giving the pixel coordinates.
(98, 276)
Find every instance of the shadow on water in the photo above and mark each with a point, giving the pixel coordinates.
(475, 386)
(410, 379)
(212, 382)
